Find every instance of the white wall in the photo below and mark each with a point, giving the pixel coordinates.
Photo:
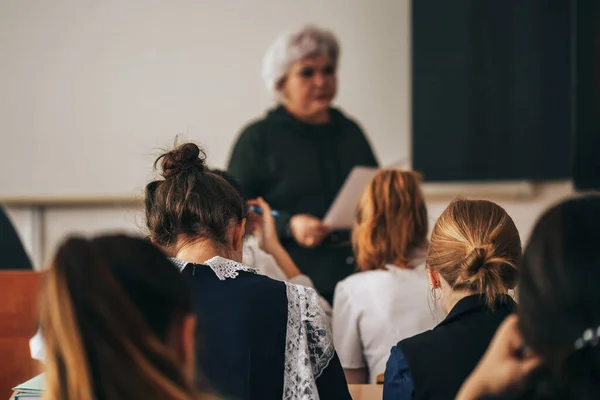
(90, 91)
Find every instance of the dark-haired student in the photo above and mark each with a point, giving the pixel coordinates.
(472, 263)
(262, 249)
(558, 322)
(261, 338)
(118, 323)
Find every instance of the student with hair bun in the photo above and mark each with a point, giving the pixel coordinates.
(261, 338)
(471, 261)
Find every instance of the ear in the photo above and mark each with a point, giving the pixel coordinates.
(155, 242)
(168, 251)
(237, 241)
(434, 278)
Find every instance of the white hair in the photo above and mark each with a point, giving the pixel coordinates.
(291, 47)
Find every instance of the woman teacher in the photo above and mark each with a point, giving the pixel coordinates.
(298, 156)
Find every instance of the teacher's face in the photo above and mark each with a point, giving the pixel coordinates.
(310, 86)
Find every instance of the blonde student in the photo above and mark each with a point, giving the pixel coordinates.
(472, 264)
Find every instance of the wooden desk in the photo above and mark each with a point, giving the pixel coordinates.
(358, 392)
(366, 392)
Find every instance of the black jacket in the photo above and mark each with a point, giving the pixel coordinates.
(441, 359)
(299, 168)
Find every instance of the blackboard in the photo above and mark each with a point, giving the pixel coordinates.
(492, 89)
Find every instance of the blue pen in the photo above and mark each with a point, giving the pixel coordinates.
(259, 211)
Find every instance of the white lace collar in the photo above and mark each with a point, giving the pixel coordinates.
(222, 267)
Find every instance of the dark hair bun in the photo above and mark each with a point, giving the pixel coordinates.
(185, 158)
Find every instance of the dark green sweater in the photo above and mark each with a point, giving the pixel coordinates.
(299, 168)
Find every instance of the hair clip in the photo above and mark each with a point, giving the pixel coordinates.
(590, 337)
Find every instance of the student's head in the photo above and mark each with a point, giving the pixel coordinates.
(391, 221)
(559, 296)
(194, 206)
(474, 249)
(148, 204)
(231, 180)
(117, 321)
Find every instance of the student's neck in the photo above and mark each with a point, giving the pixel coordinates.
(200, 253)
(453, 297)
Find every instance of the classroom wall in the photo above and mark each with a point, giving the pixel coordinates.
(61, 222)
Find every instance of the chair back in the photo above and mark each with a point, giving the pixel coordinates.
(19, 291)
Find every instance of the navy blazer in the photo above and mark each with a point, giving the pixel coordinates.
(434, 364)
(242, 331)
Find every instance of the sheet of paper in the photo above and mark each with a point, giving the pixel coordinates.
(342, 210)
(34, 385)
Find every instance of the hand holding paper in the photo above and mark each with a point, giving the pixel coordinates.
(308, 231)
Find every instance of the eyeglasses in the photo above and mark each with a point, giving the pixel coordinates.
(309, 72)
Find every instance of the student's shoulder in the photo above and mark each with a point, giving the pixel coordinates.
(255, 289)
(360, 279)
(360, 283)
(256, 278)
(429, 340)
(239, 275)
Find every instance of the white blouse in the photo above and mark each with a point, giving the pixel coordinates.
(374, 310)
(265, 264)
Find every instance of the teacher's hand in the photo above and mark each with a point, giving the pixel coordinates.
(308, 231)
